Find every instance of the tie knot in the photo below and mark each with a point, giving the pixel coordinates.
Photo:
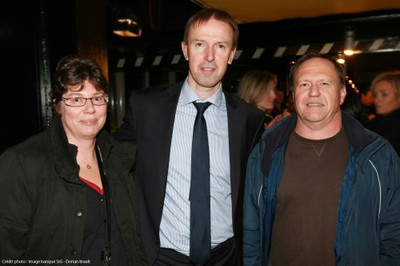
(201, 107)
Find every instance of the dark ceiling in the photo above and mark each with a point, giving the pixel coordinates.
(377, 35)
(272, 10)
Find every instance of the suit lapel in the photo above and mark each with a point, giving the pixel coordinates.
(167, 104)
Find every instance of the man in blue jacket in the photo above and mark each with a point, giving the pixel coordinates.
(321, 189)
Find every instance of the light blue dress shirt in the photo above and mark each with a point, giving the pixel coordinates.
(175, 221)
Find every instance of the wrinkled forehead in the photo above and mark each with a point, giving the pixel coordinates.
(316, 68)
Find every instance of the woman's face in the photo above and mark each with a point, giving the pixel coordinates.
(385, 98)
(267, 101)
(86, 121)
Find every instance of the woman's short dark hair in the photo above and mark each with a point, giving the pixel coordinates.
(73, 70)
(205, 15)
(340, 69)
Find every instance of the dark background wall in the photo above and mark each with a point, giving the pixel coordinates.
(20, 109)
(34, 36)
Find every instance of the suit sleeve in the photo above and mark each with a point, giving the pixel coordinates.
(260, 130)
(127, 130)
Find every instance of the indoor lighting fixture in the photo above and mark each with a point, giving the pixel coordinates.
(340, 59)
(348, 48)
(125, 22)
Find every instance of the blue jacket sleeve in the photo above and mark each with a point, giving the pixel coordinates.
(389, 219)
(251, 220)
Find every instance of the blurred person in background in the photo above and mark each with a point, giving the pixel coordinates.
(367, 102)
(258, 88)
(385, 89)
(279, 102)
(353, 106)
(289, 106)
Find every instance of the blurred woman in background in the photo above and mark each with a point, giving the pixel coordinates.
(258, 88)
(385, 89)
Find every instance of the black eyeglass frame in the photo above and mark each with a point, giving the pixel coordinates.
(106, 99)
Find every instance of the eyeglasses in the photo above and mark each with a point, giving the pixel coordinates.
(81, 101)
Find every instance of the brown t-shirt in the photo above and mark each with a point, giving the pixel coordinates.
(304, 228)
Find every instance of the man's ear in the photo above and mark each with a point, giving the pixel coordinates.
(231, 56)
(343, 93)
(184, 50)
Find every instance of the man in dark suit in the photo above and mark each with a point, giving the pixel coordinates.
(160, 121)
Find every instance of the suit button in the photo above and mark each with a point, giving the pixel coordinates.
(79, 214)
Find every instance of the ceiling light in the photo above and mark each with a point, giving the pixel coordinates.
(340, 59)
(125, 22)
(348, 48)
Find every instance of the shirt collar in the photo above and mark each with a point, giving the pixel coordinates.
(188, 96)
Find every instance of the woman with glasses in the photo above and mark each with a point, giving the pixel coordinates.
(68, 194)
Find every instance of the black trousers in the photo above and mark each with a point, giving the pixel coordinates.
(223, 254)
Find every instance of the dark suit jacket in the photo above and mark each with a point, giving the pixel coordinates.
(149, 123)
